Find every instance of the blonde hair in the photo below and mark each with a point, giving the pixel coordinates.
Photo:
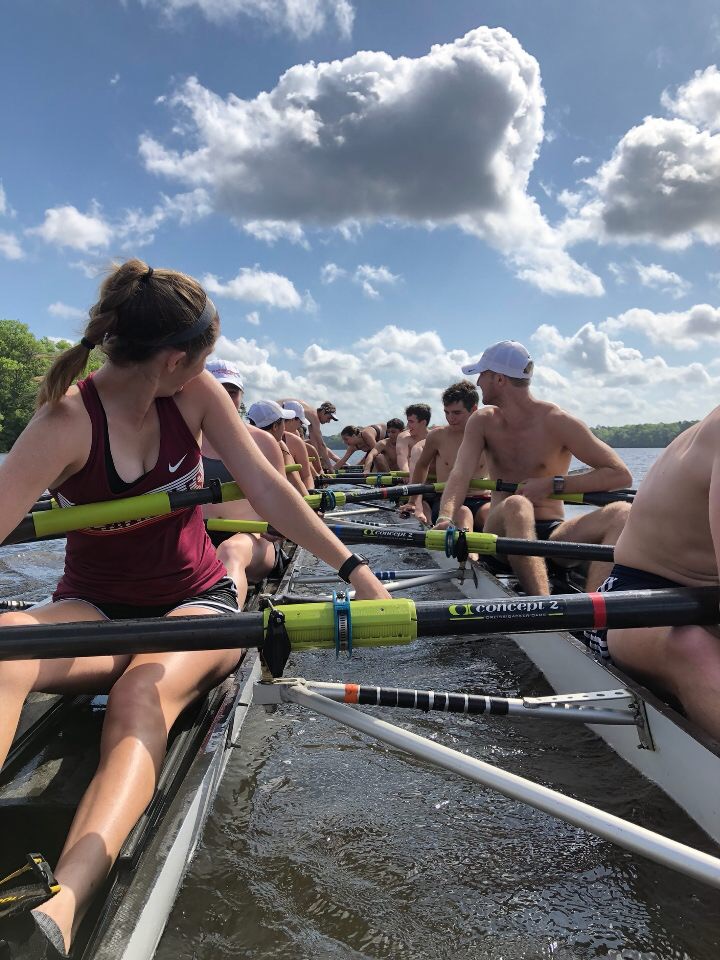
(137, 308)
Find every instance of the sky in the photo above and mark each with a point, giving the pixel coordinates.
(373, 191)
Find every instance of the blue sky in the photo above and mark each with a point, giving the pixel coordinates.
(375, 190)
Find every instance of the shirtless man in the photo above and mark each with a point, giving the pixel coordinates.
(317, 416)
(293, 437)
(246, 556)
(360, 438)
(269, 416)
(418, 417)
(441, 447)
(531, 442)
(662, 547)
(383, 455)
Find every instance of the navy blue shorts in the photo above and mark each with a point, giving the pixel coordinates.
(623, 578)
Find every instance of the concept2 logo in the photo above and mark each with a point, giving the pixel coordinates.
(506, 609)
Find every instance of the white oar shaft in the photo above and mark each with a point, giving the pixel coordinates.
(655, 847)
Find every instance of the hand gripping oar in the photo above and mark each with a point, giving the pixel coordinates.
(374, 623)
(455, 543)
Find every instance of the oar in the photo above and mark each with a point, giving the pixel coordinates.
(46, 524)
(447, 540)
(48, 502)
(599, 498)
(374, 623)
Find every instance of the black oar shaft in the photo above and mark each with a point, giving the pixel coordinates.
(627, 608)
(89, 639)
(374, 623)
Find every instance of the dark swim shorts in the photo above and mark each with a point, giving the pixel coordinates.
(472, 503)
(622, 578)
(221, 597)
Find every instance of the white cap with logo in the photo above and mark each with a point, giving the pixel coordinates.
(264, 412)
(225, 372)
(507, 357)
(298, 411)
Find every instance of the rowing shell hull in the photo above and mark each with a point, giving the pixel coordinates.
(135, 930)
(683, 761)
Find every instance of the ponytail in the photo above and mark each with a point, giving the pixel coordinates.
(140, 312)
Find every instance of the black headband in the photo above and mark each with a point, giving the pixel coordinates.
(194, 330)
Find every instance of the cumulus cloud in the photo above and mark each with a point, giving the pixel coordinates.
(10, 246)
(698, 100)
(270, 231)
(67, 227)
(578, 161)
(256, 286)
(301, 17)
(332, 144)
(3, 201)
(604, 381)
(651, 275)
(365, 275)
(683, 330)
(59, 309)
(588, 373)
(662, 183)
(253, 318)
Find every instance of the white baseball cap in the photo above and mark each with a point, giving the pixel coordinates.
(297, 409)
(507, 357)
(264, 412)
(225, 372)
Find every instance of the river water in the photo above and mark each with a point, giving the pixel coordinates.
(323, 844)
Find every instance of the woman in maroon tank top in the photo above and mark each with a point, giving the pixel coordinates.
(134, 427)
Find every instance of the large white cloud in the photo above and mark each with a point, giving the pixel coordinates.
(256, 286)
(662, 183)
(683, 330)
(301, 17)
(447, 138)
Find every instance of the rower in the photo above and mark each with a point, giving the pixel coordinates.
(441, 447)
(383, 455)
(270, 417)
(360, 438)
(529, 441)
(418, 417)
(661, 547)
(316, 417)
(134, 427)
(293, 437)
(247, 557)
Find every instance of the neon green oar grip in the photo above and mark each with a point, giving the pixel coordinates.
(374, 623)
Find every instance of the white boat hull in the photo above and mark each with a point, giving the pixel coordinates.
(683, 761)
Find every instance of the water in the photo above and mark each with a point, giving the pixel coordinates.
(325, 845)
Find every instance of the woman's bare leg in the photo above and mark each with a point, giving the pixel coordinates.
(18, 678)
(246, 556)
(143, 705)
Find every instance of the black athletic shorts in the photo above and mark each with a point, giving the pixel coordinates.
(472, 503)
(221, 598)
(622, 578)
(544, 528)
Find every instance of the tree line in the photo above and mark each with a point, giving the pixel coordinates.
(24, 359)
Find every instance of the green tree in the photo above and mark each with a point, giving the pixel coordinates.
(23, 362)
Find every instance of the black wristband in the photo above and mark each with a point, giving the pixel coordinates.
(558, 484)
(352, 562)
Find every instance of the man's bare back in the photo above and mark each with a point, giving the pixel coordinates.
(669, 528)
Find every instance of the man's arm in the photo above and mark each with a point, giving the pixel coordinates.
(403, 451)
(294, 478)
(370, 459)
(466, 463)
(327, 456)
(299, 451)
(419, 474)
